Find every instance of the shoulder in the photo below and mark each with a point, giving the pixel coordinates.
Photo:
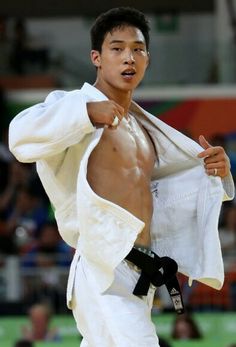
(59, 94)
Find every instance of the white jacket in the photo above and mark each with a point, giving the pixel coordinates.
(59, 136)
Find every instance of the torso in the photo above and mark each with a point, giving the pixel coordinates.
(120, 169)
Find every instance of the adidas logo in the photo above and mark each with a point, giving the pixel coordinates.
(174, 292)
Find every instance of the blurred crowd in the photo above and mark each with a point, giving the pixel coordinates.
(28, 228)
(20, 52)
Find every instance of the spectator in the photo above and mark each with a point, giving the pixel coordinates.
(23, 343)
(4, 122)
(49, 250)
(40, 316)
(23, 207)
(4, 47)
(227, 233)
(18, 47)
(26, 217)
(185, 328)
(12, 175)
(15, 176)
(163, 342)
(27, 50)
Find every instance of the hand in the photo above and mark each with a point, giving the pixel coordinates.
(216, 161)
(104, 112)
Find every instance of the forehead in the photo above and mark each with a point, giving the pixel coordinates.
(124, 33)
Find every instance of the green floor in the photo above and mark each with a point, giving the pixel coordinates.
(219, 330)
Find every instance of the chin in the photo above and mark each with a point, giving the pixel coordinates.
(129, 86)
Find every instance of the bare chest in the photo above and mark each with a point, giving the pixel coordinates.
(129, 145)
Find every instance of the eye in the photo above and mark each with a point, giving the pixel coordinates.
(139, 49)
(117, 49)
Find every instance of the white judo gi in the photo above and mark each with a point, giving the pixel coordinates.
(116, 318)
(59, 136)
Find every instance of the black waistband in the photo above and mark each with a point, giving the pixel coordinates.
(158, 271)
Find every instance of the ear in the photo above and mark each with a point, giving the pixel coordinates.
(96, 58)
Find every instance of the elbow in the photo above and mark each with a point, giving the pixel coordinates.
(18, 151)
(14, 144)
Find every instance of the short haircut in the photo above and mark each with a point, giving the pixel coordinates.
(117, 18)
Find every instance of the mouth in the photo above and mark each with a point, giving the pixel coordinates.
(128, 74)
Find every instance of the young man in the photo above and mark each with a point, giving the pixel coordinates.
(124, 185)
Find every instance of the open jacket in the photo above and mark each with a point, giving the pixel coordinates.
(59, 136)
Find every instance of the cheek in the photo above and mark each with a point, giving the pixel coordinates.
(108, 68)
(142, 63)
(142, 71)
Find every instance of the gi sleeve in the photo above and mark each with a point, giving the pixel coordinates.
(48, 128)
(229, 188)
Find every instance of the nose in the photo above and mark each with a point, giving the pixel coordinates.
(129, 57)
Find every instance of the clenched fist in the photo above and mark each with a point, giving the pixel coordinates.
(104, 112)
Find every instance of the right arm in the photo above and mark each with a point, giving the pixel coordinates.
(61, 121)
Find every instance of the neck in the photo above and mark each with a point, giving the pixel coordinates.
(121, 97)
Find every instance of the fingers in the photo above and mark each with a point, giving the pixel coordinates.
(219, 168)
(104, 112)
(203, 142)
(212, 155)
(115, 121)
(119, 109)
(215, 170)
(216, 162)
(115, 115)
(211, 151)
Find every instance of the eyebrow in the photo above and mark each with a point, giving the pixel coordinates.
(121, 41)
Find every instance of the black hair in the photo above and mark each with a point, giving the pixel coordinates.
(163, 342)
(116, 18)
(23, 343)
(194, 331)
